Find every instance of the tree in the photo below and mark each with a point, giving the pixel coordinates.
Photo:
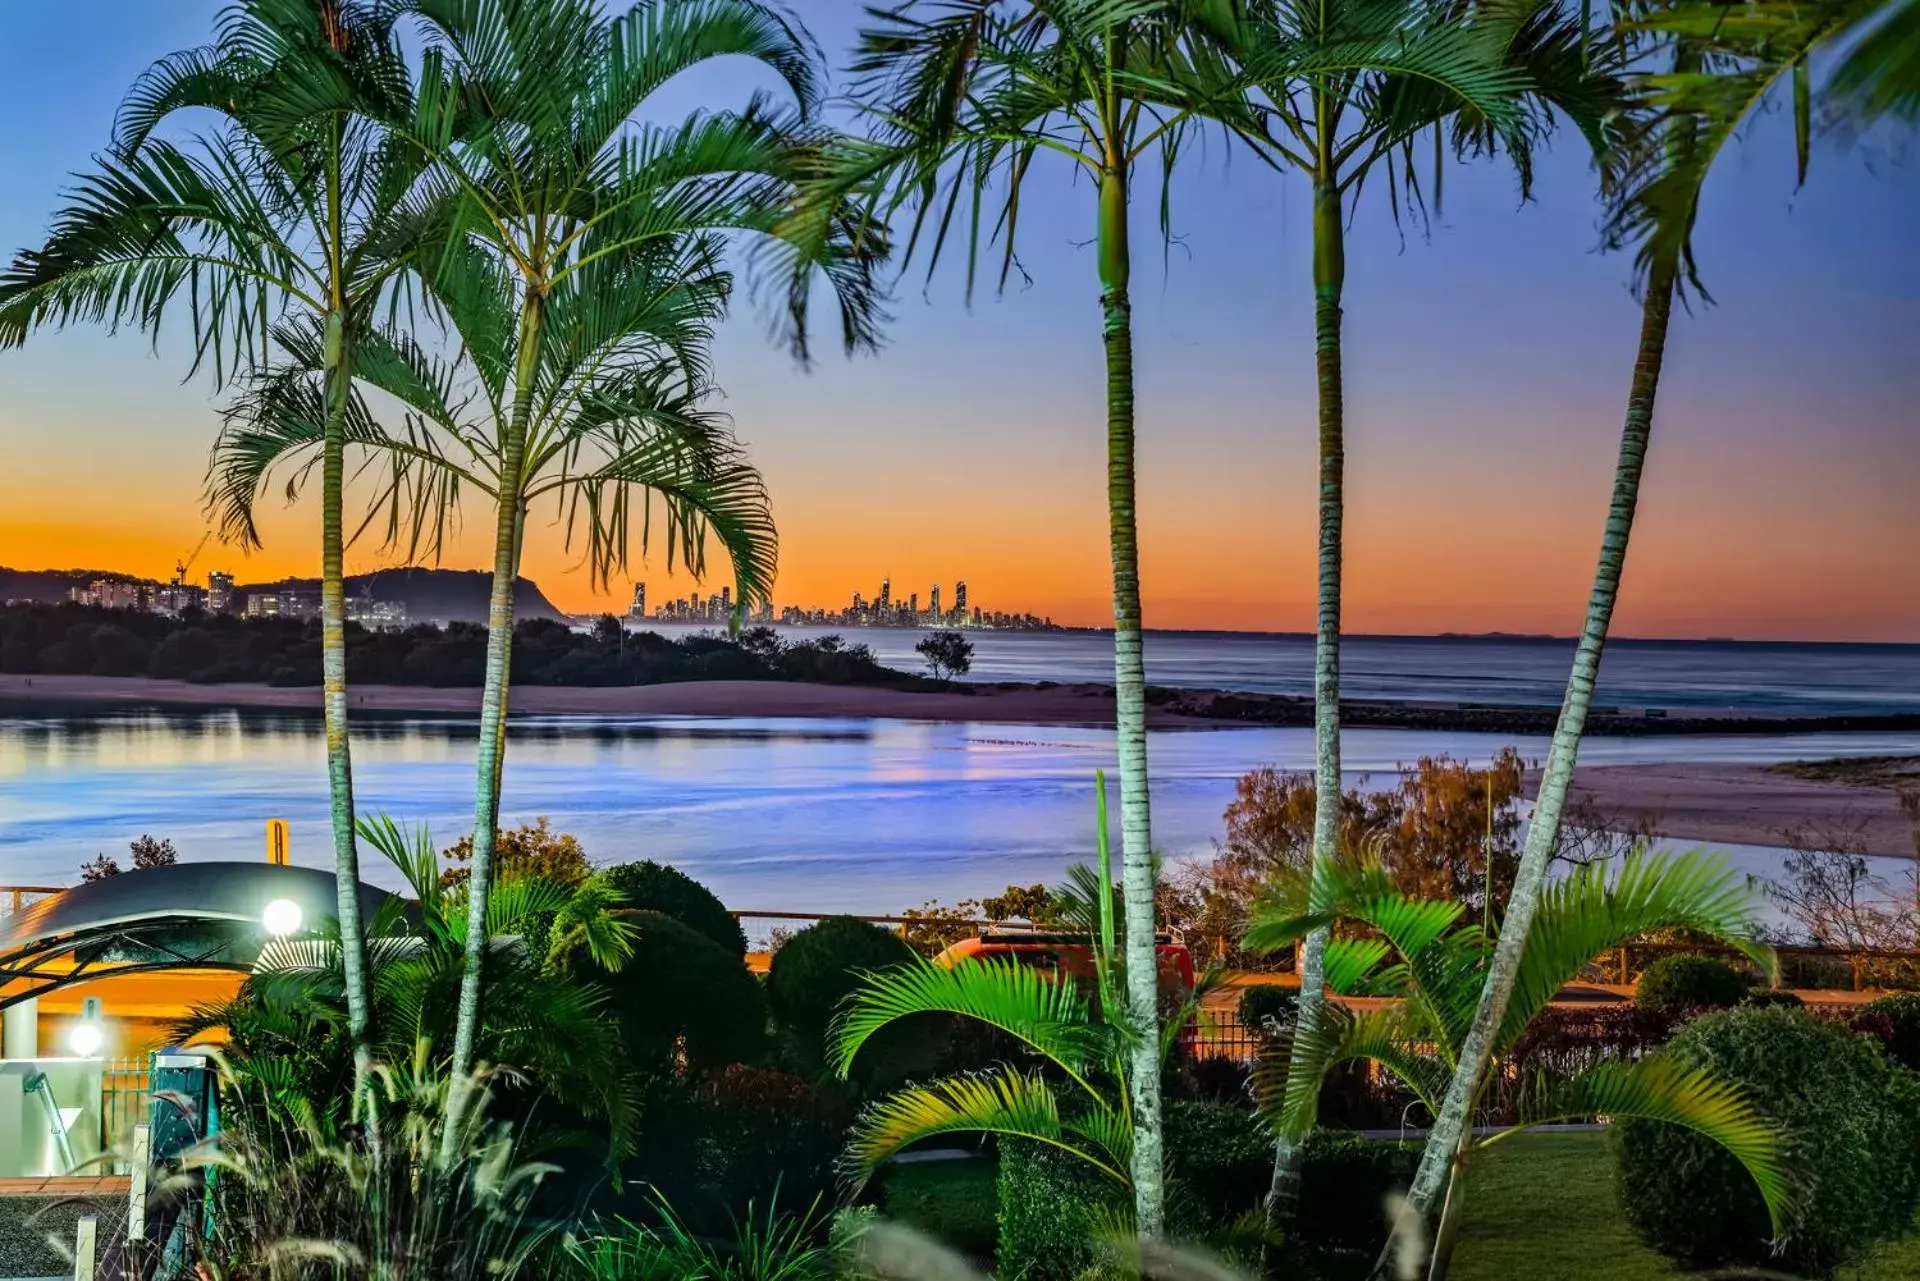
(947, 653)
(579, 269)
(145, 851)
(299, 204)
(1083, 1039)
(542, 1019)
(1724, 62)
(1337, 92)
(963, 97)
(1428, 958)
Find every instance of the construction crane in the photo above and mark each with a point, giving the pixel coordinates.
(180, 567)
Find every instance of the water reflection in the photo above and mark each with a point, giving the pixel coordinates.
(776, 814)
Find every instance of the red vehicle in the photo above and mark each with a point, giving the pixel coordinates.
(1071, 954)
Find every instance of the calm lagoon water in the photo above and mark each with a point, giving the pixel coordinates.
(816, 815)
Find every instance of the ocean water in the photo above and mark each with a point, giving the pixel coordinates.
(1699, 675)
(776, 815)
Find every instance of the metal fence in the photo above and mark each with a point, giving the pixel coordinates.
(126, 1088)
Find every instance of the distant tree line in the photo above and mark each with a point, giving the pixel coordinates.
(211, 649)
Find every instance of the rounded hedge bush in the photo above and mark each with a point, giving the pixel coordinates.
(1902, 1010)
(654, 887)
(1851, 1121)
(1681, 982)
(682, 994)
(816, 969)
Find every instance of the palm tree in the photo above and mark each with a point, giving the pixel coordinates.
(1088, 1040)
(1419, 953)
(299, 204)
(1879, 75)
(1339, 93)
(962, 101)
(531, 110)
(541, 1020)
(1725, 62)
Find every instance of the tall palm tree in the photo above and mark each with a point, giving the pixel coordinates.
(531, 108)
(1725, 61)
(1085, 1037)
(1339, 93)
(1429, 962)
(963, 96)
(299, 204)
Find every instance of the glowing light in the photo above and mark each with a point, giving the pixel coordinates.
(86, 1039)
(281, 918)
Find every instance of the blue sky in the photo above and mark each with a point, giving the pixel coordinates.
(1487, 363)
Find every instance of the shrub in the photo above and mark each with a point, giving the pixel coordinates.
(1851, 1120)
(1265, 1007)
(1220, 1158)
(1053, 1210)
(816, 970)
(1681, 982)
(711, 1145)
(654, 887)
(683, 995)
(954, 1202)
(1902, 1012)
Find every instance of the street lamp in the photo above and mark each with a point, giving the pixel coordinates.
(281, 918)
(86, 1038)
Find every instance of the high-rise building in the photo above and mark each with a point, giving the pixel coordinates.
(639, 609)
(219, 591)
(913, 605)
(933, 603)
(960, 598)
(726, 604)
(886, 594)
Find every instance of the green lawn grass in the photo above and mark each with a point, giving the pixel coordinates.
(1539, 1207)
(1543, 1205)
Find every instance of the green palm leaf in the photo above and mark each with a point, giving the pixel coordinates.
(1602, 906)
(1049, 1014)
(1660, 1089)
(1002, 1102)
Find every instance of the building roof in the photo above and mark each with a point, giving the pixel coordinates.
(191, 915)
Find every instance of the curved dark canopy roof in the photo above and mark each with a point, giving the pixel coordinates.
(185, 916)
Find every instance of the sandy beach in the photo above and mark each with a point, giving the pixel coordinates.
(1748, 804)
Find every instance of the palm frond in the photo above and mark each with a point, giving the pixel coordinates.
(1661, 1089)
(1002, 1102)
(1049, 1015)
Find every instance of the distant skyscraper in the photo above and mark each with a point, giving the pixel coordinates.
(726, 604)
(219, 591)
(886, 594)
(960, 598)
(933, 603)
(913, 604)
(639, 609)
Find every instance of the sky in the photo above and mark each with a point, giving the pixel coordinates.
(1487, 366)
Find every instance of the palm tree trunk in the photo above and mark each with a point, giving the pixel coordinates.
(333, 700)
(493, 711)
(1130, 708)
(1329, 279)
(1448, 1235)
(1543, 830)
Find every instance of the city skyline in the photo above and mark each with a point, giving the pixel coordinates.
(1488, 362)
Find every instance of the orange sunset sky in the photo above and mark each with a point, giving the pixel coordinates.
(1487, 362)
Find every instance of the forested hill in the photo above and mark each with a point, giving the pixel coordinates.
(214, 649)
(449, 595)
